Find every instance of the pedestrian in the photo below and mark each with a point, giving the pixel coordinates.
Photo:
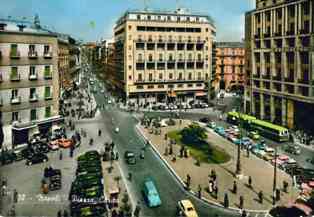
(130, 176)
(244, 214)
(59, 214)
(250, 182)
(234, 189)
(71, 152)
(199, 191)
(226, 201)
(210, 186)
(260, 196)
(188, 181)
(216, 192)
(285, 186)
(65, 213)
(241, 202)
(15, 196)
(60, 155)
(99, 132)
(91, 141)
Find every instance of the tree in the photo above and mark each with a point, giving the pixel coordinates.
(193, 134)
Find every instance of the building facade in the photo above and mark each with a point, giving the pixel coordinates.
(160, 55)
(29, 81)
(279, 62)
(229, 73)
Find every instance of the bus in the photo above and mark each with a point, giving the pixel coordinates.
(233, 118)
(269, 130)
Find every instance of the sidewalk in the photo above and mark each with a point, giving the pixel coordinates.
(260, 171)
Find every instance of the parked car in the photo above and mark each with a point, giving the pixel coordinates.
(65, 143)
(293, 149)
(129, 157)
(186, 208)
(220, 131)
(204, 120)
(18, 152)
(212, 125)
(40, 147)
(254, 135)
(37, 158)
(151, 194)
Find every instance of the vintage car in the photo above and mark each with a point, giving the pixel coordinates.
(151, 194)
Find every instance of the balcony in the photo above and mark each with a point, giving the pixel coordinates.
(16, 100)
(290, 78)
(304, 31)
(303, 81)
(266, 76)
(266, 35)
(33, 77)
(48, 74)
(15, 54)
(15, 77)
(33, 98)
(290, 32)
(32, 54)
(277, 77)
(47, 55)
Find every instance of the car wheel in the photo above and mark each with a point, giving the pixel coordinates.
(44, 160)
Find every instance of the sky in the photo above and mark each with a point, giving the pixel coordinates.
(92, 20)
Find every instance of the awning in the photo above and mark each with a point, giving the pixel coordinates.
(200, 93)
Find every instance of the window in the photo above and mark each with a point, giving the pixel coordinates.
(206, 76)
(170, 57)
(190, 76)
(32, 70)
(180, 37)
(180, 57)
(170, 86)
(180, 85)
(139, 87)
(31, 48)
(140, 77)
(170, 37)
(130, 27)
(206, 29)
(160, 57)
(160, 76)
(14, 94)
(178, 19)
(138, 17)
(199, 57)
(190, 57)
(150, 86)
(159, 17)
(33, 115)
(14, 73)
(198, 84)
(180, 76)
(48, 112)
(161, 86)
(130, 67)
(149, 17)
(130, 47)
(150, 57)
(15, 116)
(170, 76)
(47, 93)
(2, 26)
(190, 85)
(130, 77)
(199, 76)
(32, 93)
(46, 49)
(14, 49)
(150, 77)
(140, 57)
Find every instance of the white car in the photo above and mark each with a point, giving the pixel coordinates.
(163, 123)
(102, 91)
(109, 101)
(117, 130)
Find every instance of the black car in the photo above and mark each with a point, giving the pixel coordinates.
(40, 147)
(205, 120)
(129, 157)
(37, 158)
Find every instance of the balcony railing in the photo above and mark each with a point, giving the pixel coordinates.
(33, 77)
(15, 77)
(32, 54)
(15, 54)
(47, 74)
(33, 98)
(47, 55)
(16, 100)
(303, 81)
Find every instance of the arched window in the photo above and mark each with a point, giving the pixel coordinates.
(199, 57)
(170, 57)
(140, 57)
(150, 57)
(160, 57)
(190, 56)
(190, 76)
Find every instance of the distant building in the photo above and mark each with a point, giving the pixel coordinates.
(163, 56)
(29, 79)
(279, 62)
(229, 66)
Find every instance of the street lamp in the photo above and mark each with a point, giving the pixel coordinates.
(238, 164)
(275, 177)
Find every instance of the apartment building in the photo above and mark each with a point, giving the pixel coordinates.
(29, 81)
(163, 56)
(279, 62)
(229, 73)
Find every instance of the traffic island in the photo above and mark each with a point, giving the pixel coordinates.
(219, 171)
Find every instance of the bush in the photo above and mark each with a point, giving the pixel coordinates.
(193, 134)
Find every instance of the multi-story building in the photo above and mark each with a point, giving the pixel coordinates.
(29, 81)
(163, 55)
(279, 62)
(229, 73)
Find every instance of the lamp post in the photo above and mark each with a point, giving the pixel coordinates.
(238, 164)
(275, 177)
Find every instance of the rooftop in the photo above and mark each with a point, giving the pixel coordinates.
(24, 26)
(229, 44)
(178, 12)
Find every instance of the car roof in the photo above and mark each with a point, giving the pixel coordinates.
(187, 203)
(149, 184)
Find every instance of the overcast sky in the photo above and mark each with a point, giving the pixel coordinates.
(91, 20)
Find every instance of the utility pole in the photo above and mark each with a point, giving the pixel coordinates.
(275, 177)
(238, 165)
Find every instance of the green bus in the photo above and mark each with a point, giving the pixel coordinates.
(269, 130)
(233, 118)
